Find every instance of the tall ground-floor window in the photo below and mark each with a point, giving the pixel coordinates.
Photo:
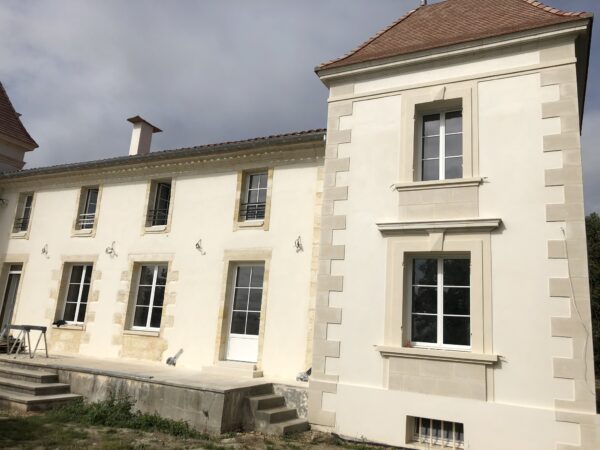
(77, 292)
(150, 297)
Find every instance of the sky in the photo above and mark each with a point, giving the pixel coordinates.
(204, 71)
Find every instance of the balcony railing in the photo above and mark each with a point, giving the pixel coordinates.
(86, 221)
(157, 217)
(21, 224)
(252, 211)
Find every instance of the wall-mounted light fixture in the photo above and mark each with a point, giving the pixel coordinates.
(3, 202)
(199, 247)
(45, 250)
(110, 250)
(298, 245)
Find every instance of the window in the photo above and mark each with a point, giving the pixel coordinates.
(440, 302)
(87, 208)
(247, 300)
(77, 292)
(438, 433)
(23, 213)
(158, 208)
(150, 297)
(254, 197)
(442, 146)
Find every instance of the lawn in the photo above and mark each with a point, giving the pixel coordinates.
(114, 425)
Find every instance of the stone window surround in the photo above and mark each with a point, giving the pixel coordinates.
(428, 100)
(150, 188)
(230, 259)
(23, 234)
(90, 232)
(252, 224)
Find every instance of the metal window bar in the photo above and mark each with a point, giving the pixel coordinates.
(21, 224)
(425, 433)
(86, 221)
(252, 211)
(157, 217)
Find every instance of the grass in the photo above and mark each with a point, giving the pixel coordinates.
(114, 424)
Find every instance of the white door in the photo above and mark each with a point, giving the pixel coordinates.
(244, 323)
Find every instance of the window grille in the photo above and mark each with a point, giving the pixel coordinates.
(438, 433)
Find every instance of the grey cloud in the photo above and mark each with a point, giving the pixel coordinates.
(203, 71)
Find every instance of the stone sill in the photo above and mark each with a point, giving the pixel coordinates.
(437, 355)
(88, 232)
(147, 333)
(19, 235)
(437, 184)
(72, 327)
(156, 229)
(251, 224)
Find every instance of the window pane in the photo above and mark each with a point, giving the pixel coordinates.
(447, 433)
(73, 293)
(431, 125)
(425, 272)
(156, 316)
(243, 276)
(146, 275)
(431, 147)
(457, 272)
(69, 315)
(76, 273)
(84, 293)
(454, 145)
(437, 430)
(457, 331)
(81, 314)
(255, 299)
(159, 295)
(453, 168)
(424, 328)
(240, 299)
(459, 432)
(431, 170)
(263, 180)
(424, 300)
(253, 196)
(161, 276)
(140, 317)
(425, 427)
(88, 275)
(257, 276)
(254, 181)
(253, 324)
(454, 122)
(457, 301)
(238, 322)
(143, 297)
(262, 196)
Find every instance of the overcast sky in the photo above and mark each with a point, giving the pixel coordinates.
(204, 71)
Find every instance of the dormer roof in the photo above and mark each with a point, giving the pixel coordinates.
(11, 125)
(454, 22)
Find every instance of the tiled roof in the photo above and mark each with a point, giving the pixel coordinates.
(454, 22)
(10, 123)
(295, 137)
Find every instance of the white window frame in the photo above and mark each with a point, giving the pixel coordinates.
(247, 190)
(22, 208)
(153, 203)
(86, 220)
(152, 295)
(440, 441)
(440, 303)
(82, 283)
(442, 153)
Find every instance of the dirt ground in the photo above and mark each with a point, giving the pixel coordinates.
(39, 431)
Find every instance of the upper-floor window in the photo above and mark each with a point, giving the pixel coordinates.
(77, 292)
(150, 297)
(440, 302)
(253, 203)
(158, 206)
(23, 216)
(441, 150)
(88, 204)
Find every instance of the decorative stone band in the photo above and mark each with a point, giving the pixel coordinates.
(560, 83)
(322, 382)
(439, 225)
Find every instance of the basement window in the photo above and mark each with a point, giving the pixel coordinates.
(436, 433)
(23, 216)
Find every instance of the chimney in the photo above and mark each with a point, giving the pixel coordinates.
(141, 136)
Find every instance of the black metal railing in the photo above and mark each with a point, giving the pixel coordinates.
(21, 224)
(252, 211)
(157, 217)
(86, 221)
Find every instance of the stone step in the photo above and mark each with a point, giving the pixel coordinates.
(266, 401)
(26, 402)
(8, 370)
(291, 426)
(276, 415)
(33, 388)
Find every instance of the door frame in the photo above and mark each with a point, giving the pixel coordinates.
(230, 261)
(4, 273)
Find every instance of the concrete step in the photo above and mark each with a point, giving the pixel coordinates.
(266, 401)
(33, 388)
(7, 370)
(276, 415)
(291, 426)
(26, 402)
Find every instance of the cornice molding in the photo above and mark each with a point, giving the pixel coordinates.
(439, 225)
